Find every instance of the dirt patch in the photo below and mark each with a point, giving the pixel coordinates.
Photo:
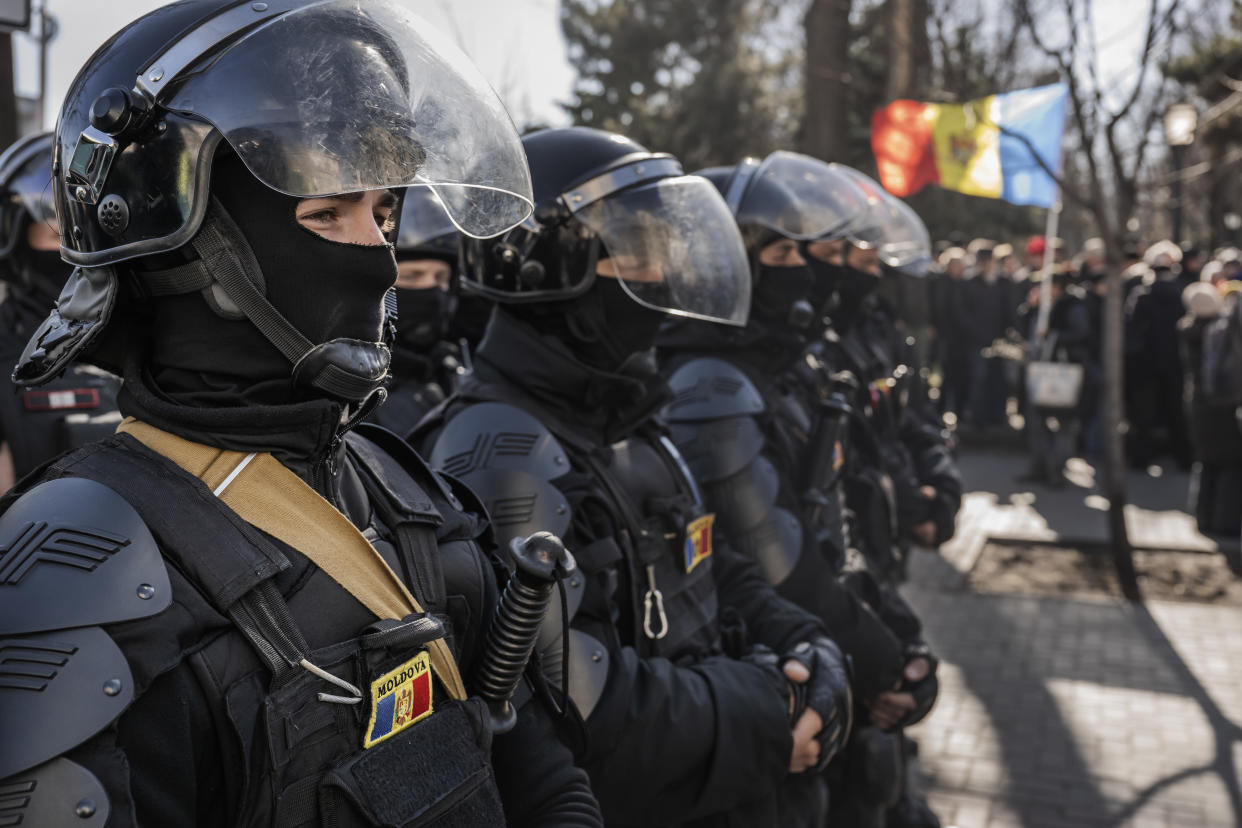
(1053, 570)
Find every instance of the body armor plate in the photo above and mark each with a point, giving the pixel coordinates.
(75, 553)
(57, 689)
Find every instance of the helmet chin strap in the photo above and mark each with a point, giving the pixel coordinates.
(348, 369)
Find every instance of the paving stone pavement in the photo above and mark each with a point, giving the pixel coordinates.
(1058, 711)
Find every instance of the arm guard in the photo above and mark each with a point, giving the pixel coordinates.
(712, 420)
(74, 555)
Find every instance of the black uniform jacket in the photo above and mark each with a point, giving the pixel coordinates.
(789, 424)
(73, 409)
(181, 753)
(678, 737)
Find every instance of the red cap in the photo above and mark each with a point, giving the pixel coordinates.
(1035, 246)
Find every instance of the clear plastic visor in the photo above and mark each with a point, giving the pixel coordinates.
(800, 197)
(341, 96)
(423, 219)
(906, 244)
(890, 226)
(676, 248)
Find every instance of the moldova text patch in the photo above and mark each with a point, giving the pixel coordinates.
(699, 541)
(399, 699)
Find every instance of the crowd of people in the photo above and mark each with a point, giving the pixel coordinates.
(371, 464)
(1180, 358)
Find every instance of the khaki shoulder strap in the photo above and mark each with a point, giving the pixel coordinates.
(273, 499)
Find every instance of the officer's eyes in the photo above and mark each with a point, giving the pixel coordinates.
(319, 216)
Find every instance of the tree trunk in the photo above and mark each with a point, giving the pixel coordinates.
(8, 95)
(827, 27)
(1114, 446)
(909, 52)
(1218, 194)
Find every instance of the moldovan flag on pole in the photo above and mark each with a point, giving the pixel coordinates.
(982, 147)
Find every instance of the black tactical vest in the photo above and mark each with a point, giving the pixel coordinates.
(629, 512)
(352, 730)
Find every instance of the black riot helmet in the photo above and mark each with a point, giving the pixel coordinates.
(25, 189)
(890, 226)
(426, 231)
(599, 195)
(793, 197)
(34, 276)
(310, 99)
(424, 312)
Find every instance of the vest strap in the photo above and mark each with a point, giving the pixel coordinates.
(273, 499)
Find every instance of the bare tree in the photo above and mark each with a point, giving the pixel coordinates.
(1114, 122)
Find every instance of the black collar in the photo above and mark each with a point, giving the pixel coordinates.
(544, 369)
(301, 435)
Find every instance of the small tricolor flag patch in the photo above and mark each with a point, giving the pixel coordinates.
(699, 541)
(399, 699)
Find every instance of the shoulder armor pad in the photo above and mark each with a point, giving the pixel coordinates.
(746, 498)
(58, 689)
(550, 642)
(74, 553)
(709, 389)
(775, 544)
(56, 794)
(716, 449)
(588, 671)
(494, 435)
(508, 458)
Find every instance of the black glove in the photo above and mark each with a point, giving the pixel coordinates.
(924, 690)
(827, 692)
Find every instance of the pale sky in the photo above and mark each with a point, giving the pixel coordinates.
(517, 45)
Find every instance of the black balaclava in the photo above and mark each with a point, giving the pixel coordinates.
(855, 286)
(605, 328)
(326, 289)
(39, 277)
(611, 328)
(826, 283)
(423, 317)
(777, 291)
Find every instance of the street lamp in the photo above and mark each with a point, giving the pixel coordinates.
(1180, 122)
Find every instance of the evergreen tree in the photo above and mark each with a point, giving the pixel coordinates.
(708, 82)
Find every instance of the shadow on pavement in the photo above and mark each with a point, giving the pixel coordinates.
(1011, 653)
(1226, 734)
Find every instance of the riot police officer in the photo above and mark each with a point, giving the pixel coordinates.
(73, 409)
(889, 242)
(765, 420)
(902, 486)
(243, 609)
(686, 721)
(426, 366)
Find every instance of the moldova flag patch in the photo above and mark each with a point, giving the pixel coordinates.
(399, 698)
(699, 541)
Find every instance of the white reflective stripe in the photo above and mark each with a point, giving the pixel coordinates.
(62, 399)
(233, 474)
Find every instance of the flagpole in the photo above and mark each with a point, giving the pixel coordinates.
(1045, 290)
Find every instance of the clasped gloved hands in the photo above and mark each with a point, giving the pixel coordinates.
(822, 704)
(912, 696)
